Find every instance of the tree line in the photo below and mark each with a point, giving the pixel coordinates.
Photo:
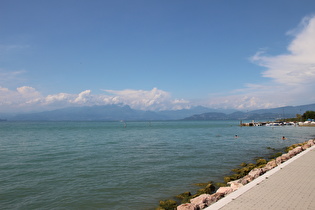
(299, 118)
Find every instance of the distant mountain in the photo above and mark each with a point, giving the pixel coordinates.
(107, 113)
(90, 113)
(124, 112)
(287, 110)
(183, 113)
(261, 114)
(209, 116)
(233, 116)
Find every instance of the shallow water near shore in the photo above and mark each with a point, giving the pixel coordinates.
(105, 165)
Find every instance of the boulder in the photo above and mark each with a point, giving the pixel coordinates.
(291, 154)
(310, 142)
(278, 160)
(205, 200)
(235, 185)
(214, 198)
(285, 157)
(306, 146)
(270, 165)
(187, 206)
(246, 179)
(295, 151)
(225, 190)
(234, 182)
(201, 200)
(256, 172)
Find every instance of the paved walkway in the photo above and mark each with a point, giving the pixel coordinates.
(291, 185)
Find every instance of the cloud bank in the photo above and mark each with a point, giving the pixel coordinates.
(291, 75)
(29, 99)
(298, 66)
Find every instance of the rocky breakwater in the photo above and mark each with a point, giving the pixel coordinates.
(205, 200)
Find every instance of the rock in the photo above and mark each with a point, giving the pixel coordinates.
(278, 160)
(201, 206)
(246, 179)
(225, 190)
(205, 200)
(187, 206)
(297, 150)
(214, 198)
(306, 146)
(285, 157)
(236, 185)
(310, 142)
(270, 165)
(256, 172)
(234, 182)
(291, 153)
(201, 200)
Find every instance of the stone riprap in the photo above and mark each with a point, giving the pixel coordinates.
(206, 200)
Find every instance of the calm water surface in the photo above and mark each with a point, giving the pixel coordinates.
(105, 165)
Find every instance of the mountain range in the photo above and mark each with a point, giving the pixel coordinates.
(260, 114)
(124, 112)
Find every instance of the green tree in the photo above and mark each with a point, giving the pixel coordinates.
(298, 117)
(308, 115)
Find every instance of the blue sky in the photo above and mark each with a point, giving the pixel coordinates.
(156, 54)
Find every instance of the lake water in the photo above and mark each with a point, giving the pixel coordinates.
(107, 165)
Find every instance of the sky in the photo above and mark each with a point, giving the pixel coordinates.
(156, 54)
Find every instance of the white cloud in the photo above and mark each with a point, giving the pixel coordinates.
(83, 97)
(19, 98)
(292, 75)
(298, 66)
(154, 99)
(28, 92)
(29, 99)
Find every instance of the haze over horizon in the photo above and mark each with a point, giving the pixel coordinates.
(156, 55)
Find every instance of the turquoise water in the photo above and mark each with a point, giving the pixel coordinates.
(105, 165)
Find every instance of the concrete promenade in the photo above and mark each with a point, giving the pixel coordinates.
(290, 185)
